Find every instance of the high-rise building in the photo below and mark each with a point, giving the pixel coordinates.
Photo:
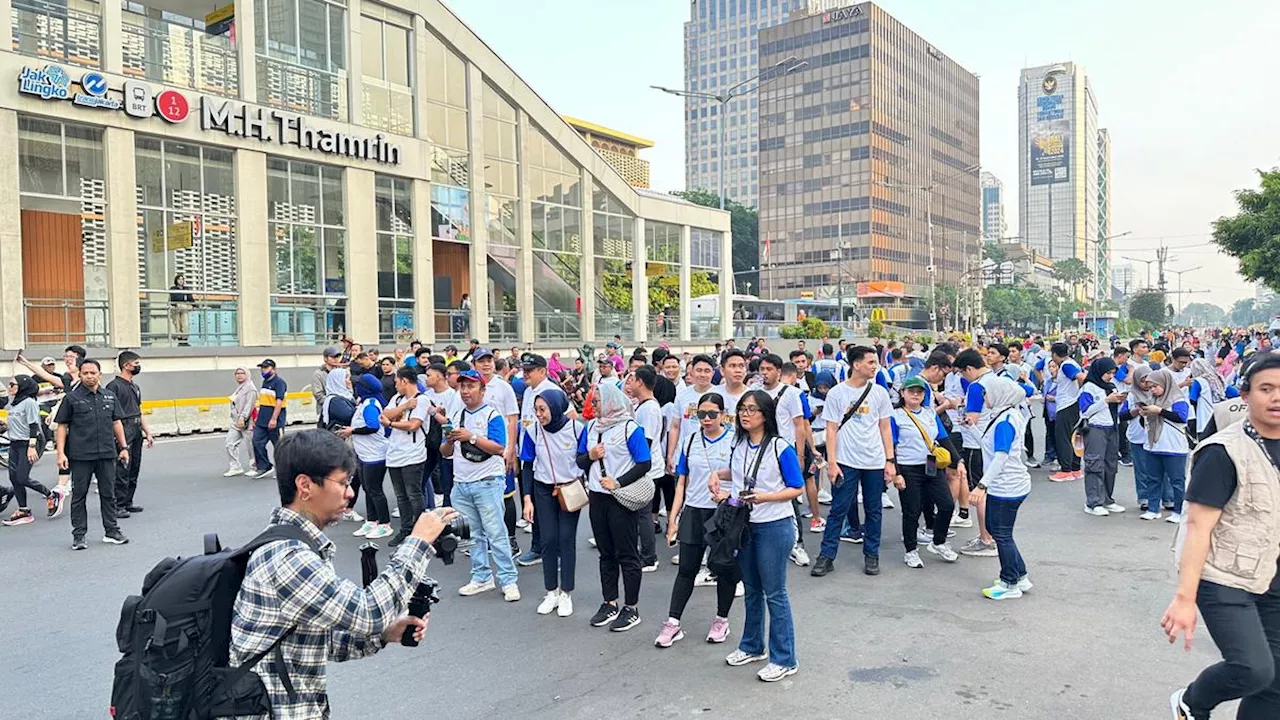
(878, 132)
(993, 222)
(1064, 170)
(621, 150)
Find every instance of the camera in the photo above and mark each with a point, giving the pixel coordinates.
(447, 542)
(424, 596)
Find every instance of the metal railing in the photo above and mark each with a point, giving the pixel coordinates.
(204, 323)
(177, 54)
(757, 328)
(664, 326)
(452, 325)
(395, 321)
(307, 320)
(302, 90)
(609, 324)
(62, 322)
(68, 31)
(557, 326)
(504, 326)
(705, 329)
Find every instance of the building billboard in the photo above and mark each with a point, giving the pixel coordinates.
(1049, 159)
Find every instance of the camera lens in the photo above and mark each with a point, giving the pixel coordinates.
(460, 527)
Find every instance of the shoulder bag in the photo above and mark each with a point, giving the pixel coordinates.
(571, 494)
(854, 407)
(941, 455)
(634, 496)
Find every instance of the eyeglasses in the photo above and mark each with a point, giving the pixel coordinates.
(749, 410)
(708, 414)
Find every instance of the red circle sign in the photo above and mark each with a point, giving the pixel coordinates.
(172, 106)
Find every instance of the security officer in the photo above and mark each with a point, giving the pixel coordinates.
(89, 433)
(129, 398)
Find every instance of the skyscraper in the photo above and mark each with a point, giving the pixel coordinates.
(1064, 169)
(876, 133)
(993, 221)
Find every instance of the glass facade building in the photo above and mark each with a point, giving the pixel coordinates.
(994, 225)
(342, 169)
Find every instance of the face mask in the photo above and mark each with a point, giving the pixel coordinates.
(137, 368)
(266, 374)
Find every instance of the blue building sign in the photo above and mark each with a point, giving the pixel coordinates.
(1049, 107)
(50, 82)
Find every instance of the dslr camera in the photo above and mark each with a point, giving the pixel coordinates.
(447, 542)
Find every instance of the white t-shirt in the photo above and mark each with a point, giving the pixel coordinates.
(788, 406)
(779, 468)
(699, 457)
(687, 405)
(731, 404)
(858, 442)
(554, 455)
(1065, 390)
(483, 422)
(909, 444)
(369, 447)
(649, 418)
(408, 448)
(528, 416)
(624, 445)
(500, 396)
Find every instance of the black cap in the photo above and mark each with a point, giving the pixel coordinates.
(530, 360)
(267, 363)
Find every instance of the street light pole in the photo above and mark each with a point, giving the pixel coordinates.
(1179, 274)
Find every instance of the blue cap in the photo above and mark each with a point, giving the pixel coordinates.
(481, 352)
(471, 375)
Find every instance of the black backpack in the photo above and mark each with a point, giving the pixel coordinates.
(176, 638)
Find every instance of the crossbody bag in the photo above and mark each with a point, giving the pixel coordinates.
(571, 494)
(940, 457)
(634, 496)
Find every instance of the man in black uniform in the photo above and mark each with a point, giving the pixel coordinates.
(89, 433)
(129, 399)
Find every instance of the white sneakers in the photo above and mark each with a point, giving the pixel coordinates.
(475, 588)
(1097, 511)
(1114, 507)
(549, 603)
(799, 556)
(704, 578)
(885, 501)
(380, 531)
(233, 473)
(961, 522)
(365, 529)
(1148, 515)
(511, 593)
(943, 551)
(912, 559)
(824, 496)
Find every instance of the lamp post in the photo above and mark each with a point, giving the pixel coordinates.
(1097, 268)
(1179, 274)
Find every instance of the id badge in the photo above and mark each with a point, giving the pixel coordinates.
(930, 466)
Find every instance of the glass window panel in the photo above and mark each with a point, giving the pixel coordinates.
(280, 38)
(403, 207)
(450, 167)
(573, 231)
(555, 228)
(404, 267)
(337, 38)
(219, 178)
(40, 157)
(150, 172)
(335, 264)
(396, 40)
(371, 47)
(313, 34)
(304, 186)
(181, 171)
(306, 259)
(86, 160)
(383, 203)
(539, 225)
(386, 250)
(456, 128)
(331, 185)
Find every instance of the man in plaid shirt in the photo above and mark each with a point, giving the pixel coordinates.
(288, 586)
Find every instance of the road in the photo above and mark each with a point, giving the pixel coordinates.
(911, 644)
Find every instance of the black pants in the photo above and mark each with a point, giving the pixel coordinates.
(973, 465)
(922, 488)
(446, 478)
(664, 493)
(1028, 442)
(20, 474)
(682, 590)
(558, 532)
(1124, 438)
(428, 471)
(509, 515)
(127, 474)
(375, 497)
(1063, 425)
(407, 483)
(615, 529)
(82, 471)
(1246, 629)
(664, 489)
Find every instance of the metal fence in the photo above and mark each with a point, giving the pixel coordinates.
(308, 321)
(205, 323)
(62, 322)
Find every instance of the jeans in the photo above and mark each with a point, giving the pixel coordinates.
(1101, 461)
(1142, 472)
(1246, 629)
(20, 474)
(842, 506)
(1168, 480)
(376, 507)
(262, 436)
(1063, 425)
(81, 472)
(1002, 513)
(407, 484)
(235, 437)
(480, 502)
(127, 474)
(933, 491)
(764, 573)
(615, 529)
(558, 531)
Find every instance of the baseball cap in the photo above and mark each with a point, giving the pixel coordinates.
(48, 361)
(603, 360)
(471, 375)
(532, 360)
(914, 382)
(332, 351)
(451, 348)
(481, 352)
(267, 363)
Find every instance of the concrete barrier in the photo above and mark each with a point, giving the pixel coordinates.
(160, 417)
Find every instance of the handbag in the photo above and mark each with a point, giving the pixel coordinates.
(634, 496)
(571, 495)
(941, 455)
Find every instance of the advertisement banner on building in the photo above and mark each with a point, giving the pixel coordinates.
(177, 236)
(881, 288)
(1048, 108)
(1049, 163)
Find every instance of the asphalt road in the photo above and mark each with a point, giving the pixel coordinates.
(909, 644)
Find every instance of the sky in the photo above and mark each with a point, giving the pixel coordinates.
(1188, 92)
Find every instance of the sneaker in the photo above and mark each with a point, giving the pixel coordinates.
(1032, 464)
(399, 538)
(740, 590)
(522, 523)
(549, 603)
(604, 615)
(591, 541)
(1061, 477)
(475, 588)
(253, 474)
(704, 578)
(1098, 511)
(652, 567)
(350, 515)
(675, 559)
(738, 658)
(510, 593)
(115, 538)
(823, 566)
(657, 528)
(943, 551)
(886, 502)
(627, 618)
(961, 522)
(395, 513)
(1167, 505)
(21, 516)
(1126, 462)
(268, 473)
(807, 514)
(78, 544)
(56, 503)
(122, 513)
(565, 608)
(855, 538)
(1000, 591)
(1174, 518)
(924, 536)
(1142, 506)
(1114, 507)
(380, 531)
(912, 559)
(817, 525)
(977, 548)
(1024, 584)
(365, 529)
(799, 556)
(774, 673)
(232, 473)
(1179, 708)
(1148, 515)
(529, 559)
(719, 631)
(1077, 475)
(870, 565)
(669, 634)
(824, 497)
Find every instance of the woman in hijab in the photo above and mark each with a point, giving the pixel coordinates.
(243, 402)
(1136, 432)
(339, 402)
(548, 462)
(1005, 484)
(1205, 391)
(1167, 448)
(614, 453)
(1097, 402)
(369, 439)
(24, 436)
(555, 368)
(664, 394)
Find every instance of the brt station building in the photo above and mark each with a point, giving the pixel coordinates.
(314, 169)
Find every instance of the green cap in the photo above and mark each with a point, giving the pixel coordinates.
(914, 382)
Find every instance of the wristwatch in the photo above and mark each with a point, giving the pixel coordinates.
(982, 486)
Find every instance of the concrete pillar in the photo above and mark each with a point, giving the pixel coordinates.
(420, 71)
(525, 303)
(686, 297)
(12, 315)
(6, 19)
(254, 263)
(246, 42)
(424, 285)
(640, 284)
(726, 285)
(479, 237)
(125, 319)
(355, 64)
(362, 255)
(587, 292)
(112, 45)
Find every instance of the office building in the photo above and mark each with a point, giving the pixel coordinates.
(621, 150)
(359, 178)
(1064, 189)
(878, 128)
(993, 222)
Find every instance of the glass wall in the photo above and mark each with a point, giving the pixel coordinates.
(394, 208)
(555, 185)
(307, 237)
(186, 231)
(613, 233)
(166, 47)
(662, 253)
(67, 31)
(502, 212)
(302, 56)
(386, 63)
(704, 281)
(62, 186)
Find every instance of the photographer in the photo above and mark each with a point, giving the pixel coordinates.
(292, 592)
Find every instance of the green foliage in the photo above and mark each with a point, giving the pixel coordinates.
(664, 290)
(1149, 308)
(1017, 307)
(1200, 314)
(1252, 236)
(745, 226)
(1248, 311)
(810, 329)
(875, 328)
(1072, 271)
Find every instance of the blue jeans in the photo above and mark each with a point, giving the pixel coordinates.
(1141, 471)
(480, 502)
(1002, 513)
(1168, 480)
(764, 573)
(843, 506)
(261, 436)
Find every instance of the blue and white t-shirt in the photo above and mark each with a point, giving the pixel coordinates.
(650, 418)
(789, 403)
(1066, 391)
(699, 457)
(1201, 398)
(624, 446)
(1093, 406)
(1173, 438)
(1009, 478)
(369, 447)
(554, 455)
(975, 401)
(484, 422)
(779, 468)
(911, 448)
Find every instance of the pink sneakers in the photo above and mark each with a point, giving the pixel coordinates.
(719, 631)
(669, 634)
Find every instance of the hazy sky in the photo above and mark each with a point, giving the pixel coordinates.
(1187, 90)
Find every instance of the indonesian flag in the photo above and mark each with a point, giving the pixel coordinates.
(767, 243)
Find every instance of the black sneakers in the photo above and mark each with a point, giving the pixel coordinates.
(604, 615)
(79, 544)
(395, 541)
(115, 538)
(627, 619)
(871, 565)
(823, 566)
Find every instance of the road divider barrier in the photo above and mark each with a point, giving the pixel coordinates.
(186, 416)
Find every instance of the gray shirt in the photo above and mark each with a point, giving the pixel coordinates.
(21, 417)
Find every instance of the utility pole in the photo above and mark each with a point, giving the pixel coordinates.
(1179, 273)
(1162, 255)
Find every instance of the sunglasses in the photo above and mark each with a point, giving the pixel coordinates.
(749, 410)
(708, 414)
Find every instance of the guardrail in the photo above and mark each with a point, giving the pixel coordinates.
(61, 322)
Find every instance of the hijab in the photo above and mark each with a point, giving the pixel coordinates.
(246, 394)
(555, 367)
(335, 384)
(27, 388)
(1137, 395)
(1172, 394)
(826, 377)
(1201, 368)
(1004, 394)
(367, 386)
(558, 403)
(1099, 367)
(664, 391)
(615, 408)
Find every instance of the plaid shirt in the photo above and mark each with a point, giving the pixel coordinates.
(288, 585)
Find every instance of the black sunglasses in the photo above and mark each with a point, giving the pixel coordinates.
(708, 414)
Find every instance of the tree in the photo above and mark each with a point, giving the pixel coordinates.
(1071, 271)
(1253, 235)
(1150, 308)
(1200, 314)
(745, 225)
(1016, 307)
(1243, 312)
